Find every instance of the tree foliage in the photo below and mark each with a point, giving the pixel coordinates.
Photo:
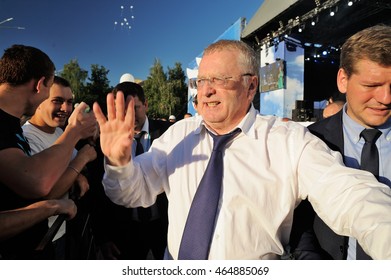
(176, 79)
(94, 89)
(165, 92)
(76, 76)
(98, 86)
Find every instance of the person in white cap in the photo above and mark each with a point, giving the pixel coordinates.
(126, 78)
(172, 118)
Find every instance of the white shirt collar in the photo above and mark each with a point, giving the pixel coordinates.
(145, 127)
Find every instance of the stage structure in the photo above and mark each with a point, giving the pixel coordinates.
(307, 36)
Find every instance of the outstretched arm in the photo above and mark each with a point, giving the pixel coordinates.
(15, 221)
(117, 130)
(34, 177)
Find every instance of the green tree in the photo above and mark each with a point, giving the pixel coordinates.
(76, 76)
(154, 88)
(178, 87)
(166, 93)
(98, 86)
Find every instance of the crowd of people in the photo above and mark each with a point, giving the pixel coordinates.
(227, 183)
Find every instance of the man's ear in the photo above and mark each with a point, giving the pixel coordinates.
(252, 87)
(342, 80)
(254, 83)
(39, 84)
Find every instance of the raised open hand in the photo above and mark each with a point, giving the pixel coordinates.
(117, 130)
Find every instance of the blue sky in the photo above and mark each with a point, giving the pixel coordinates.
(168, 30)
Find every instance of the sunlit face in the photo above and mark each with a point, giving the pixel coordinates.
(55, 110)
(140, 111)
(223, 107)
(368, 93)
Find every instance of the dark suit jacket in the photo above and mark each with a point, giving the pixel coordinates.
(107, 216)
(313, 239)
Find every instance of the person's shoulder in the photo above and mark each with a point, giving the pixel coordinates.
(28, 127)
(274, 126)
(275, 122)
(190, 121)
(320, 125)
(186, 125)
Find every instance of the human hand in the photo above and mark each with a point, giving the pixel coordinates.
(87, 153)
(82, 121)
(65, 206)
(117, 130)
(83, 184)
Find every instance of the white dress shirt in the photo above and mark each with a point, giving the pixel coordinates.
(268, 169)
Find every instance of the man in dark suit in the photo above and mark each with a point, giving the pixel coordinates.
(131, 233)
(365, 77)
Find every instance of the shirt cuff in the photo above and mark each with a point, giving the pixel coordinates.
(118, 172)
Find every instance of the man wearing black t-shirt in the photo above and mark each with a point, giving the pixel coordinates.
(26, 75)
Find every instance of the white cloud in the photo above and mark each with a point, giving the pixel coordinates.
(299, 60)
(281, 102)
(293, 92)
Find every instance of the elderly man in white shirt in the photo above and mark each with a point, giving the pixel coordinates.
(269, 167)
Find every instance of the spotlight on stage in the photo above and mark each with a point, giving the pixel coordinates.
(333, 11)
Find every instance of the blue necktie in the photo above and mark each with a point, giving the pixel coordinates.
(199, 227)
(369, 153)
(369, 162)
